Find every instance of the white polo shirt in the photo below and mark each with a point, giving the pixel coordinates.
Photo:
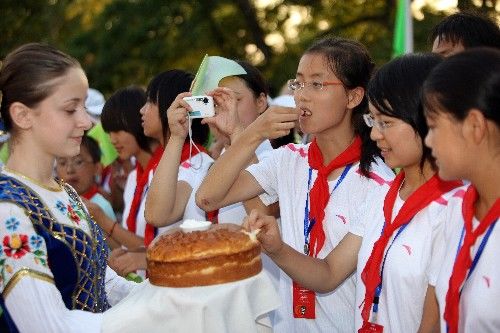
(284, 176)
(411, 264)
(480, 300)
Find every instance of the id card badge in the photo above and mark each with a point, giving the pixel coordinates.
(304, 302)
(369, 327)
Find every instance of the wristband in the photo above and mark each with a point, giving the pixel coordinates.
(110, 234)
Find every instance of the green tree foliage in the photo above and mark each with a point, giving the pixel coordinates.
(122, 42)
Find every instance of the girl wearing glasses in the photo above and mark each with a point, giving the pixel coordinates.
(322, 187)
(462, 103)
(54, 276)
(81, 171)
(393, 251)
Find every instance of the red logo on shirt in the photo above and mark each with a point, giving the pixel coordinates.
(487, 280)
(408, 248)
(342, 218)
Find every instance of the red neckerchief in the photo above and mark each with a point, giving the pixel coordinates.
(431, 190)
(93, 190)
(320, 194)
(463, 261)
(141, 182)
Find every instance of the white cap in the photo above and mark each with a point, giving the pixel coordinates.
(284, 100)
(94, 102)
(4, 136)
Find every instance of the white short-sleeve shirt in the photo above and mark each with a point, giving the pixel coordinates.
(192, 172)
(235, 213)
(480, 298)
(411, 264)
(284, 177)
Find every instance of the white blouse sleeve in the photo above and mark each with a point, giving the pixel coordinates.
(117, 287)
(27, 284)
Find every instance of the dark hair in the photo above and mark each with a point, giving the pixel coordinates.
(396, 90)
(350, 61)
(253, 79)
(28, 75)
(121, 112)
(162, 91)
(92, 147)
(465, 81)
(471, 29)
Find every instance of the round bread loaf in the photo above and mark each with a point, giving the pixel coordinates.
(224, 253)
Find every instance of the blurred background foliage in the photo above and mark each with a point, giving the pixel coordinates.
(123, 42)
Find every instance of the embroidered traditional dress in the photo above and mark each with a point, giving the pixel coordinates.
(52, 258)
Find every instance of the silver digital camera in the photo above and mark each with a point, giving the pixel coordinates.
(202, 106)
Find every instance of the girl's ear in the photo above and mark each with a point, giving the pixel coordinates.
(354, 97)
(261, 103)
(475, 126)
(21, 115)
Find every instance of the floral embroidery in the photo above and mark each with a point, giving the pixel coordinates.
(61, 207)
(12, 224)
(36, 241)
(71, 210)
(16, 246)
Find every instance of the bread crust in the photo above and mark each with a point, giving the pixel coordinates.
(222, 254)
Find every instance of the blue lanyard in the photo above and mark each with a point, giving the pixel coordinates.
(378, 291)
(478, 253)
(479, 250)
(308, 225)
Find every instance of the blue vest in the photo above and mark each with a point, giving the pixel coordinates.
(77, 260)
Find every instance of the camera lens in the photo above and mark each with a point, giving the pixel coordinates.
(205, 100)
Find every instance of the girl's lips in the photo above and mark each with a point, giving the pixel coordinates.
(384, 151)
(305, 112)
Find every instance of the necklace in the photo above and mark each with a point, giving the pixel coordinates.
(57, 188)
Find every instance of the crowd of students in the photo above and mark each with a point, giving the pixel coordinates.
(351, 245)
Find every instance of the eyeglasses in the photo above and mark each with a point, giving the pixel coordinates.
(295, 85)
(75, 164)
(379, 124)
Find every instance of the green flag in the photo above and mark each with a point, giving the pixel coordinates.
(403, 29)
(213, 69)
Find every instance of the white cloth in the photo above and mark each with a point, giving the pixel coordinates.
(480, 300)
(283, 176)
(33, 301)
(410, 265)
(235, 213)
(229, 307)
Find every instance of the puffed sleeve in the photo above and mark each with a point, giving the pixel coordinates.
(27, 284)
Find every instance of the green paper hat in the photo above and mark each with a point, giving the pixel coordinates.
(108, 151)
(213, 69)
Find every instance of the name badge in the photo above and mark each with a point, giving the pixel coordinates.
(371, 328)
(304, 302)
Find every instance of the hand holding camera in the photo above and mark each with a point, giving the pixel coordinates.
(177, 114)
(226, 120)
